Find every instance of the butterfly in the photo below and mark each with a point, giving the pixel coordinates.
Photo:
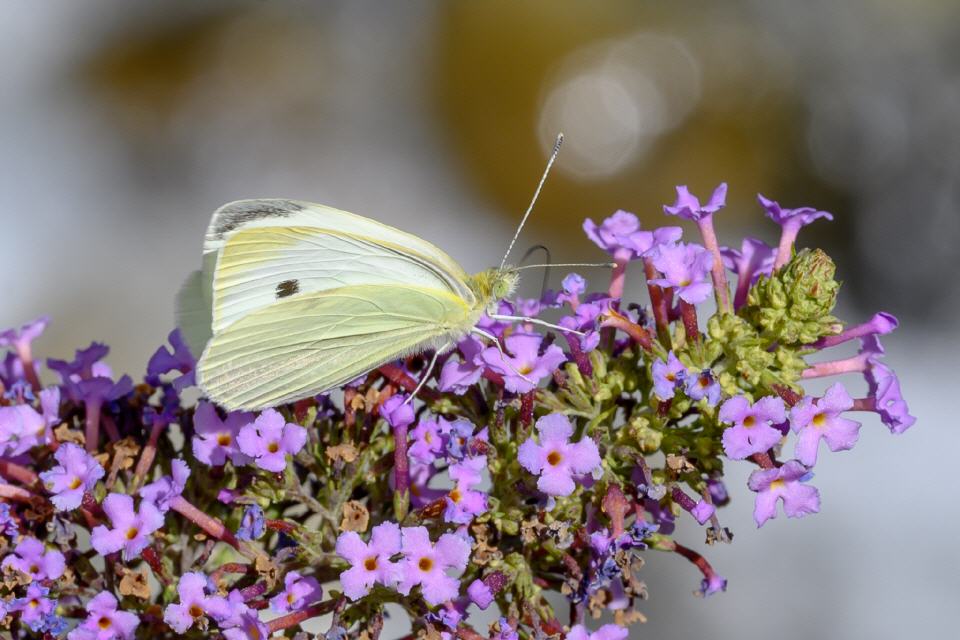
(296, 299)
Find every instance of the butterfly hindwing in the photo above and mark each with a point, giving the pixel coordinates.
(313, 342)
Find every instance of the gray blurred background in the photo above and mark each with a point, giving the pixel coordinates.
(123, 125)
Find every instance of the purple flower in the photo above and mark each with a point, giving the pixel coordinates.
(420, 492)
(573, 287)
(459, 375)
(298, 592)
(21, 339)
(21, 429)
(813, 420)
(752, 430)
(620, 235)
(686, 268)
(215, 440)
(104, 621)
(370, 562)
(8, 525)
(77, 473)
(252, 524)
(32, 558)
(783, 484)
(35, 607)
(269, 439)
(131, 529)
(506, 631)
(556, 460)
(463, 503)
(714, 584)
(427, 441)
(688, 205)
(797, 218)
(459, 437)
(480, 594)
(703, 511)
(397, 411)
(86, 379)
(194, 603)
(163, 491)
(881, 323)
(179, 359)
(702, 386)
(248, 627)
(606, 632)
(526, 367)
(888, 400)
(666, 376)
(426, 564)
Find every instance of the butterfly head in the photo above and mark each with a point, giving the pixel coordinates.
(493, 285)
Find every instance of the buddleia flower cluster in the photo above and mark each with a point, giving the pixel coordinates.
(516, 496)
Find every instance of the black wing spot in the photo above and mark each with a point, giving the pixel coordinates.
(243, 212)
(288, 288)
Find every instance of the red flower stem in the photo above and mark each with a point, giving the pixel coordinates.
(92, 424)
(111, 428)
(401, 464)
(25, 353)
(14, 471)
(836, 367)
(717, 272)
(229, 567)
(637, 333)
(661, 310)
(788, 235)
(156, 565)
(208, 523)
(763, 460)
(681, 498)
(789, 396)
(864, 404)
(582, 359)
(743, 289)
(688, 313)
(698, 560)
(526, 407)
(12, 492)
(295, 618)
(149, 452)
(253, 591)
(397, 376)
(616, 506)
(621, 258)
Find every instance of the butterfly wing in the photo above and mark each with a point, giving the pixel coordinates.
(310, 343)
(259, 266)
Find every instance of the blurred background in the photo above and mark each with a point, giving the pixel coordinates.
(123, 125)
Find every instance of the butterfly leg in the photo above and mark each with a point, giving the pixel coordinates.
(426, 374)
(542, 323)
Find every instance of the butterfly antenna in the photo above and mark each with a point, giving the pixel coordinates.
(536, 194)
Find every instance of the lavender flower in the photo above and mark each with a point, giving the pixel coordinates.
(463, 503)
(397, 411)
(21, 429)
(248, 627)
(215, 440)
(620, 235)
(8, 525)
(606, 632)
(457, 376)
(370, 562)
(195, 603)
(790, 221)
(269, 439)
(426, 564)
(104, 621)
(666, 376)
(887, 399)
(298, 592)
(35, 606)
(754, 259)
(813, 420)
(556, 460)
(688, 205)
(702, 386)
(252, 524)
(574, 286)
(131, 529)
(752, 430)
(480, 594)
(526, 367)
(178, 359)
(783, 484)
(77, 473)
(427, 441)
(163, 491)
(686, 268)
(33, 559)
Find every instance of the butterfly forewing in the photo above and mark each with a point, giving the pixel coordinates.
(310, 343)
(260, 266)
